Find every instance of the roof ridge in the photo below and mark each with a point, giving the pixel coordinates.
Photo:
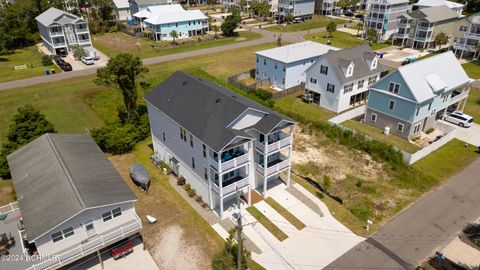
(58, 156)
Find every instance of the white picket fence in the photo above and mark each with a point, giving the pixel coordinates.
(353, 113)
(11, 207)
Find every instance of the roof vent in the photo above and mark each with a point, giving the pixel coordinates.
(184, 83)
(218, 100)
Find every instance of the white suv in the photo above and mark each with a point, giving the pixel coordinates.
(460, 119)
(87, 60)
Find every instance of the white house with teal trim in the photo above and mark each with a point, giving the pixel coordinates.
(409, 100)
(285, 66)
(160, 21)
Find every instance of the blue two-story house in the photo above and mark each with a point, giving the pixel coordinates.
(409, 100)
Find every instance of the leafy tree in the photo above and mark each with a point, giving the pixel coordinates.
(289, 18)
(47, 60)
(231, 23)
(216, 29)
(226, 258)
(264, 9)
(441, 39)
(279, 40)
(78, 52)
(472, 6)
(122, 72)
(331, 27)
(212, 2)
(223, 260)
(372, 35)
(27, 125)
(174, 35)
(242, 4)
(115, 138)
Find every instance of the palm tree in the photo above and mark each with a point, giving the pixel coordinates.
(279, 41)
(174, 35)
(215, 29)
(331, 27)
(441, 39)
(359, 27)
(372, 35)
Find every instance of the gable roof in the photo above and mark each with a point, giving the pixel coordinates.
(119, 4)
(56, 176)
(358, 55)
(434, 14)
(179, 16)
(296, 52)
(53, 15)
(435, 3)
(431, 75)
(206, 110)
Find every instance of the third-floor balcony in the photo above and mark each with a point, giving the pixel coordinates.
(276, 141)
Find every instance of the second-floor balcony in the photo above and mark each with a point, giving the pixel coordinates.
(457, 96)
(275, 142)
(56, 33)
(274, 166)
(230, 185)
(230, 159)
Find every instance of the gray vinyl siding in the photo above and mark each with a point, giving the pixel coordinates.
(385, 120)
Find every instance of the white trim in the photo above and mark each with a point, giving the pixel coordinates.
(396, 96)
(400, 129)
(371, 117)
(390, 102)
(394, 84)
(242, 114)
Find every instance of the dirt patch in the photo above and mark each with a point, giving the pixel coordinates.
(6, 192)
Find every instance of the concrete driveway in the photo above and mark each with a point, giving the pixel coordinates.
(469, 135)
(322, 241)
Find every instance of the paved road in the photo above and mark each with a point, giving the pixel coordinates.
(420, 230)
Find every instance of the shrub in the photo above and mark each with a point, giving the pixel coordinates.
(359, 183)
(191, 192)
(47, 60)
(115, 138)
(188, 187)
(181, 181)
(223, 260)
(327, 181)
(430, 130)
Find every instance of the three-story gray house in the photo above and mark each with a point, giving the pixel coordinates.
(467, 37)
(61, 31)
(218, 140)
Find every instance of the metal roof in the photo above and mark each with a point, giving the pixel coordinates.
(206, 109)
(435, 3)
(296, 52)
(57, 176)
(53, 15)
(119, 4)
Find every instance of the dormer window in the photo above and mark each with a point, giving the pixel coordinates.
(349, 71)
(374, 63)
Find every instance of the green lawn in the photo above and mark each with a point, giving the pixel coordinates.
(285, 213)
(310, 111)
(316, 22)
(473, 69)
(377, 134)
(272, 228)
(7, 194)
(473, 104)
(115, 43)
(343, 40)
(29, 56)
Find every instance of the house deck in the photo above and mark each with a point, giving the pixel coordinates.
(16, 258)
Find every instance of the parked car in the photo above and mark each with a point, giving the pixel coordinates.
(58, 59)
(65, 66)
(348, 13)
(87, 60)
(460, 119)
(359, 16)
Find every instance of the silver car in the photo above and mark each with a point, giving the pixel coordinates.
(460, 119)
(87, 60)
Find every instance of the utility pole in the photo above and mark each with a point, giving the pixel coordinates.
(239, 232)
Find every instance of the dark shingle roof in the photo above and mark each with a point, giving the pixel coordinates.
(434, 14)
(58, 175)
(205, 109)
(357, 55)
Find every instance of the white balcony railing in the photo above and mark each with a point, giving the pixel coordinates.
(459, 97)
(279, 144)
(235, 162)
(232, 187)
(274, 168)
(84, 249)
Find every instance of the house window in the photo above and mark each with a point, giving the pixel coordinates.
(275, 65)
(360, 84)
(283, 81)
(57, 237)
(107, 216)
(176, 24)
(330, 88)
(324, 70)
(416, 128)
(68, 232)
(117, 212)
(264, 62)
(394, 88)
(204, 151)
(418, 111)
(445, 98)
(191, 140)
(313, 80)
(463, 28)
(163, 134)
(429, 106)
(400, 127)
(193, 162)
(372, 80)
(257, 59)
(373, 117)
(262, 138)
(256, 71)
(205, 173)
(348, 88)
(349, 71)
(284, 67)
(374, 63)
(391, 105)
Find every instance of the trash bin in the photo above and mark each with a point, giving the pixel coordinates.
(47, 72)
(53, 71)
(381, 55)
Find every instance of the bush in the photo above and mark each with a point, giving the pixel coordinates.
(191, 192)
(359, 183)
(223, 260)
(430, 130)
(327, 181)
(47, 60)
(188, 187)
(115, 138)
(181, 181)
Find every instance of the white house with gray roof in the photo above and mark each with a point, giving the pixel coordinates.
(285, 66)
(218, 140)
(339, 80)
(61, 31)
(72, 201)
(121, 10)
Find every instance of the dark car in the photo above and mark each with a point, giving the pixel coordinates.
(359, 16)
(58, 59)
(348, 13)
(65, 66)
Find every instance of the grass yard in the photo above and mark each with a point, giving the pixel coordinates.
(377, 134)
(473, 69)
(472, 107)
(285, 213)
(115, 43)
(29, 56)
(310, 111)
(343, 40)
(7, 193)
(272, 228)
(316, 22)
